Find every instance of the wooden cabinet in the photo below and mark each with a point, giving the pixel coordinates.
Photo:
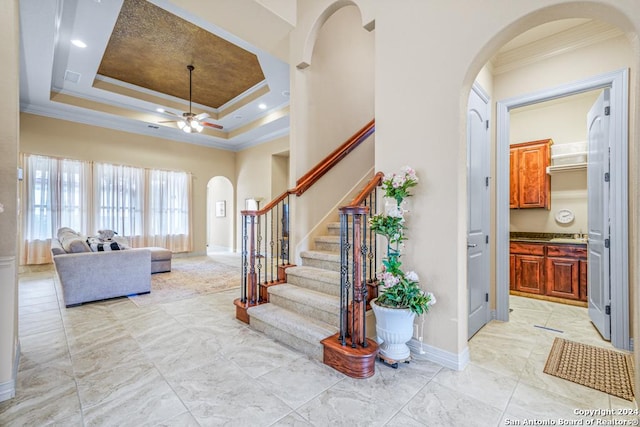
(530, 184)
(528, 268)
(558, 271)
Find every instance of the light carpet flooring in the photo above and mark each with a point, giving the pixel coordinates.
(191, 363)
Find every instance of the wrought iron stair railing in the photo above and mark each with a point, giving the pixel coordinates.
(265, 232)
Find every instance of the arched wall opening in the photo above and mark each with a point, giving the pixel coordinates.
(220, 215)
(335, 95)
(555, 76)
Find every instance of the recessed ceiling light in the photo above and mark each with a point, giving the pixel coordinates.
(237, 116)
(79, 43)
(160, 110)
(262, 106)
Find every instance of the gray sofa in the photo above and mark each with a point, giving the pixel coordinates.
(87, 276)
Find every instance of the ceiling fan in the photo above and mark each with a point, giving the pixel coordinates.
(189, 121)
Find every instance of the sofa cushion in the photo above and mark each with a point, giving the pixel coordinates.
(66, 231)
(72, 243)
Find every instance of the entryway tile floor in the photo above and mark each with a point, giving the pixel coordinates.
(191, 363)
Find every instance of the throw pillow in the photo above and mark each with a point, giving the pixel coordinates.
(74, 244)
(97, 245)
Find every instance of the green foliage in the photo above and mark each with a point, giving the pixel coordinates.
(398, 289)
(391, 227)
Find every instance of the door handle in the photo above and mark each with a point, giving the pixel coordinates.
(471, 245)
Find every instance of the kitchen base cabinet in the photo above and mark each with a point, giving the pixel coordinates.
(563, 277)
(530, 274)
(549, 270)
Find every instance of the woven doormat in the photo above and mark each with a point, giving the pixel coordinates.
(599, 368)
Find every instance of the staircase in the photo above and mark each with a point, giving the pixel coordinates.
(306, 309)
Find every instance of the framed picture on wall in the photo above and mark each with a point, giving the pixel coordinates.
(221, 209)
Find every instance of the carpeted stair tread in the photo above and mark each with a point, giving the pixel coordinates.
(328, 239)
(321, 255)
(307, 301)
(291, 328)
(319, 274)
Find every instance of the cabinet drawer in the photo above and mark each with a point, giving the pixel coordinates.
(527, 248)
(567, 251)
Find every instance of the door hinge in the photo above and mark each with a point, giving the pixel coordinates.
(607, 310)
(486, 297)
(607, 111)
(607, 243)
(607, 177)
(486, 239)
(486, 181)
(487, 123)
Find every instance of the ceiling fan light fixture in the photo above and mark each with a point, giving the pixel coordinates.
(197, 126)
(181, 124)
(187, 128)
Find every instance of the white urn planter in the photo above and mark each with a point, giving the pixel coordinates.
(394, 328)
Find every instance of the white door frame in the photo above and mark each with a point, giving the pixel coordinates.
(619, 249)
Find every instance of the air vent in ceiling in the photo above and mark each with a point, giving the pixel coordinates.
(71, 76)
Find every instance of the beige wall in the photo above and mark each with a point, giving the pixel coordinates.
(42, 135)
(564, 121)
(9, 128)
(431, 135)
(334, 98)
(254, 168)
(220, 229)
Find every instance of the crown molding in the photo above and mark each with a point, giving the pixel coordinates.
(566, 41)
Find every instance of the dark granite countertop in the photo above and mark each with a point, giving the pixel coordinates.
(562, 238)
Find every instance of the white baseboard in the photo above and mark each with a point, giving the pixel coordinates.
(420, 351)
(494, 315)
(8, 388)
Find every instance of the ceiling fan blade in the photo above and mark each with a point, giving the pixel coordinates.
(168, 121)
(211, 125)
(171, 113)
(202, 116)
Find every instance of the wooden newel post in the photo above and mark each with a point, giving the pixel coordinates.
(357, 311)
(252, 277)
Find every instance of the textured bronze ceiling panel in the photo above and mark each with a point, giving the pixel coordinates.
(151, 48)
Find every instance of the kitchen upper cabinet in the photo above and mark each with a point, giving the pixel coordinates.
(530, 183)
(513, 179)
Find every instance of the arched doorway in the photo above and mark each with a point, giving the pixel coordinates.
(220, 215)
(564, 79)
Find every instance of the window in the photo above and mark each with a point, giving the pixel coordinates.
(119, 195)
(55, 196)
(149, 207)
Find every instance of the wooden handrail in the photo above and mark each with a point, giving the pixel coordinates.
(308, 179)
(366, 191)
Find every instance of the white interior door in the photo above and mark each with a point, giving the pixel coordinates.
(478, 257)
(598, 281)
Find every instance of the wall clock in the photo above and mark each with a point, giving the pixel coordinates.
(564, 216)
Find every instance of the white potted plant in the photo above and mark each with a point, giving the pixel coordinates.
(400, 297)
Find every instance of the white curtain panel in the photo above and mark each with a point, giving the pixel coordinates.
(168, 211)
(119, 201)
(55, 194)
